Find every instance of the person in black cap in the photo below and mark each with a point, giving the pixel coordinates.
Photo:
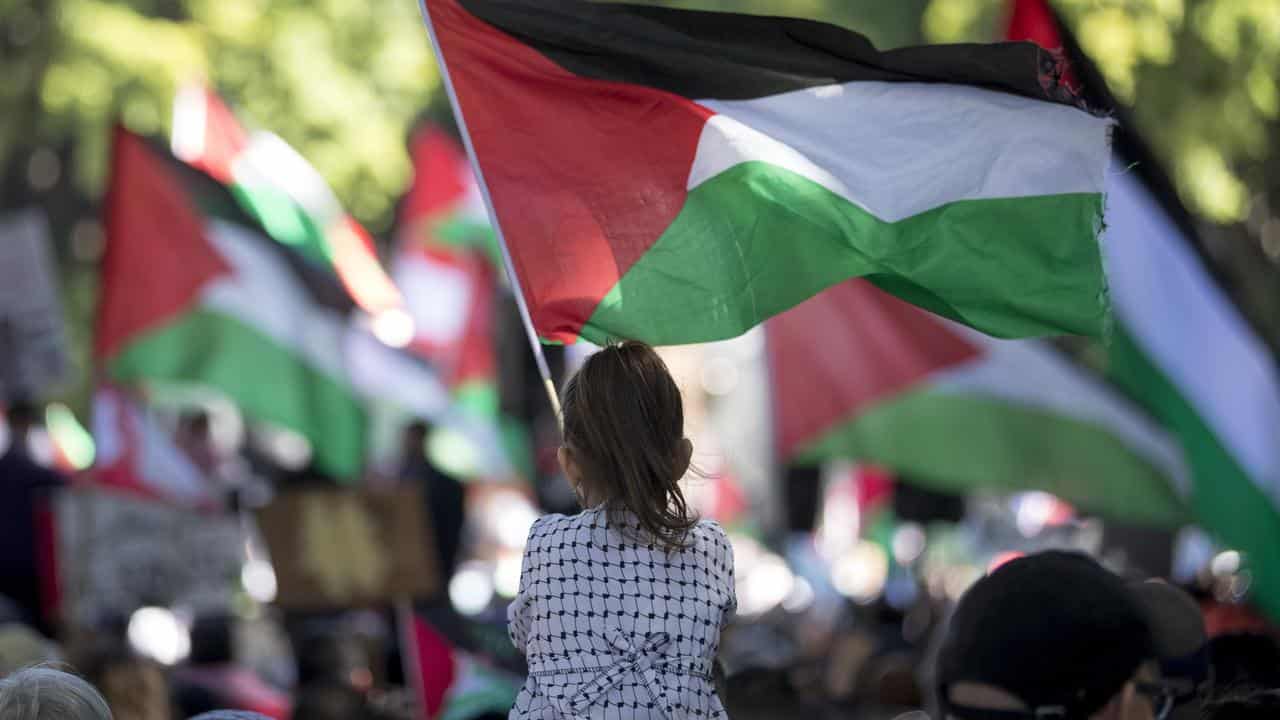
(1052, 636)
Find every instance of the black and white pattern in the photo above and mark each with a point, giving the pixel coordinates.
(614, 629)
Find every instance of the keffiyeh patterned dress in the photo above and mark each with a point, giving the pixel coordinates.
(614, 629)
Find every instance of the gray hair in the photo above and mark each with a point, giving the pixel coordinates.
(43, 693)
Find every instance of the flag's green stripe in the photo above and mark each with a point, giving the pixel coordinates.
(464, 231)
(962, 443)
(284, 220)
(1223, 498)
(478, 397)
(266, 380)
(758, 239)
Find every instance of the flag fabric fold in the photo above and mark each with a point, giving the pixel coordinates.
(1181, 349)
(857, 373)
(678, 176)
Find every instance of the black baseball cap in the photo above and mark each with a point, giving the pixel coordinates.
(1055, 629)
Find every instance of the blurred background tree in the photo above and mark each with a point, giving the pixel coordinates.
(343, 80)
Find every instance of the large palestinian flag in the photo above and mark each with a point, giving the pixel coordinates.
(1181, 349)
(194, 290)
(858, 373)
(679, 176)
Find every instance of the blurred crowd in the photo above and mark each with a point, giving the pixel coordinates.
(1049, 634)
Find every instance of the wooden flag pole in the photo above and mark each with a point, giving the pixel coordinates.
(532, 333)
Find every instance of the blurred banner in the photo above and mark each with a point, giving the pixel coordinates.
(117, 553)
(33, 344)
(1181, 349)
(339, 549)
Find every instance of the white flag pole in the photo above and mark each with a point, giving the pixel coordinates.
(530, 331)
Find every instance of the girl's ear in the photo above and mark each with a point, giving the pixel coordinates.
(684, 456)
(567, 464)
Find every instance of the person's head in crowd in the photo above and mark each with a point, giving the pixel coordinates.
(22, 416)
(329, 658)
(1051, 636)
(1243, 662)
(212, 640)
(21, 646)
(43, 693)
(229, 715)
(1181, 647)
(413, 441)
(134, 687)
(624, 445)
(330, 702)
(1255, 705)
(195, 424)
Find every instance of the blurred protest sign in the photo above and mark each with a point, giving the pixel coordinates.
(339, 548)
(118, 553)
(33, 345)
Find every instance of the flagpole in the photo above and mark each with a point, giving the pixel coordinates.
(410, 658)
(530, 332)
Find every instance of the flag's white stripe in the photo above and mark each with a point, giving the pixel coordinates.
(1188, 329)
(899, 149)
(1029, 373)
(436, 293)
(263, 294)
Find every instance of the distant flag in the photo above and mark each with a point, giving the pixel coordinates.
(452, 683)
(136, 455)
(227, 306)
(445, 266)
(290, 198)
(1181, 349)
(859, 374)
(295, 206)
(678, 176)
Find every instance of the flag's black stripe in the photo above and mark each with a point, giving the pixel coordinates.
(730, 56)
(213, 199)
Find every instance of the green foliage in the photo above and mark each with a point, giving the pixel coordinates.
(340, 80)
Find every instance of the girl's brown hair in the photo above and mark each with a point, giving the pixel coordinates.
(624, 425)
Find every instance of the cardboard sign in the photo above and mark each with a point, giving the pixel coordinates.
(349, 548)
(33, 343)
(117, 552)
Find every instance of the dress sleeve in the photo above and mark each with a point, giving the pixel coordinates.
(724, 553)
(518, 619)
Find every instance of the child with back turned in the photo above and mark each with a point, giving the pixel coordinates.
(620, 606)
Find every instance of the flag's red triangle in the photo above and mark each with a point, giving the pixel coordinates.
(439, 176)
(1034, 21)
(157, 258)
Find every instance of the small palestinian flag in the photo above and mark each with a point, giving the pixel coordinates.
(858, 374)
(282, 191)
(445, 268)
(678, 176)
(194, 290)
